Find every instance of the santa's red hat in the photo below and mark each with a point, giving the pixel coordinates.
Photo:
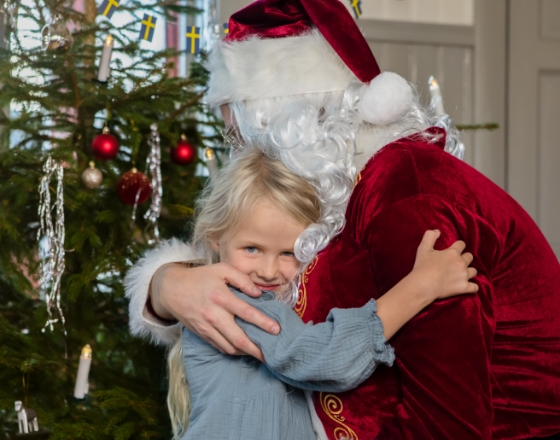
(281, 48)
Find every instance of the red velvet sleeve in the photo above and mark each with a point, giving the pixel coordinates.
(443, 354)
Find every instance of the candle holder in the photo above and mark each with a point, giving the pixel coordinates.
(211, 162)
(105, 63)
(437, 99)
(82, 385)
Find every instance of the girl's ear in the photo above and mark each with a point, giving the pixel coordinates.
(216, 247)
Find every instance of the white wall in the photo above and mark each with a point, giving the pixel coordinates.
(459, 12)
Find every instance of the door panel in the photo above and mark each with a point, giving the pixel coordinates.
(548, 213)
(534, 119)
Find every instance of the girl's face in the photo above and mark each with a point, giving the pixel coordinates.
(263, 247)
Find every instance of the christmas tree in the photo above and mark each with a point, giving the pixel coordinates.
(57, 99)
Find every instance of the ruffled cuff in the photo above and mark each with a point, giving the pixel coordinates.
(384, 352)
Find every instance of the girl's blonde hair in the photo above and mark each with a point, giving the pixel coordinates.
(248, 179)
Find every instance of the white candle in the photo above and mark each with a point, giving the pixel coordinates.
(437, 100)
(82, 384)
(105, 63)
(211, 163)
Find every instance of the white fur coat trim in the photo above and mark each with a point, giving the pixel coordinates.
(268, 68)
(137, 283)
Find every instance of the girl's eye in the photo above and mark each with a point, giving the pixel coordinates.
(251, 249)
(287, 254)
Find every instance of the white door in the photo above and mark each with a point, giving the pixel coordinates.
(533, 160)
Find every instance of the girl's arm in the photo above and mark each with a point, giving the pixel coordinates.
(436, 275)
(335, 355)
(342, 352)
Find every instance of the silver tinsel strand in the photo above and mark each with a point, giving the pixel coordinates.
(153, 164)
(51, 242)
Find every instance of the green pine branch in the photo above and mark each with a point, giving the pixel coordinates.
(48, 106)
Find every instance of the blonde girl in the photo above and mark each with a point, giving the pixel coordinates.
(250, 217)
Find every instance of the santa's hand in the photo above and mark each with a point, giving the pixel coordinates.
(446, 273)
(200, 299)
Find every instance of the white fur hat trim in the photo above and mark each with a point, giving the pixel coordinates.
(269, 68)
(386, 99)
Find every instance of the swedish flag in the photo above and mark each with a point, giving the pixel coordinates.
(226, 28)
(193, 39)
(148, 28)
(357, 7)
(108, 7)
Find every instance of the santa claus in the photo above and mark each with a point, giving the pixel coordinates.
(298, 77)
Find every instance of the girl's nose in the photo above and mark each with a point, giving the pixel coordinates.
(268, 269)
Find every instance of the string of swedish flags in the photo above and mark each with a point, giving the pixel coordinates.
(147, 30)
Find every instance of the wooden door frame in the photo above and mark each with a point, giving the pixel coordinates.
(491, 88)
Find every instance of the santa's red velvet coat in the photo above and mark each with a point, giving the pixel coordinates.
(470, 367)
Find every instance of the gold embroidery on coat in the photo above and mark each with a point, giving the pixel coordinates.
(332, 406)
(359, 177)
(301, 303)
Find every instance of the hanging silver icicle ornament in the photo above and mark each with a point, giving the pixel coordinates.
(153, 164)
(51, 242)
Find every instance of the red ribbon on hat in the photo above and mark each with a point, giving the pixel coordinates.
(291, 18)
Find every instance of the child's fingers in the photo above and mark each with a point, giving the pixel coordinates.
(429, 240)
(472, 288)
(459, 246)
(471, 273)
(467, 258)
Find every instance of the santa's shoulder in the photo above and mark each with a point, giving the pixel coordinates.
(409, 167)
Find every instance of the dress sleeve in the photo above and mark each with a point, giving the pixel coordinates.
(137, 283)
(444, 353)
(335, 356)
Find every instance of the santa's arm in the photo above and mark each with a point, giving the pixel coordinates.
(142, 320)
(443, 355)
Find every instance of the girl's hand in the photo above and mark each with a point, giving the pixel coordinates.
(441, 274)
(436, 274)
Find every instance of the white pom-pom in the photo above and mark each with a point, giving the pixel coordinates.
(386, 100)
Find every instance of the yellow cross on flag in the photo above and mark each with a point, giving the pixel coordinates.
(108, 7)
(357, 8)
(148, 27)
(193, 39)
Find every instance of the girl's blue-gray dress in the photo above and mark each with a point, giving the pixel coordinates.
(238, 397)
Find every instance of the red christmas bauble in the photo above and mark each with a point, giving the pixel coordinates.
(184, 153)
(131, 184)
(105, 146)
